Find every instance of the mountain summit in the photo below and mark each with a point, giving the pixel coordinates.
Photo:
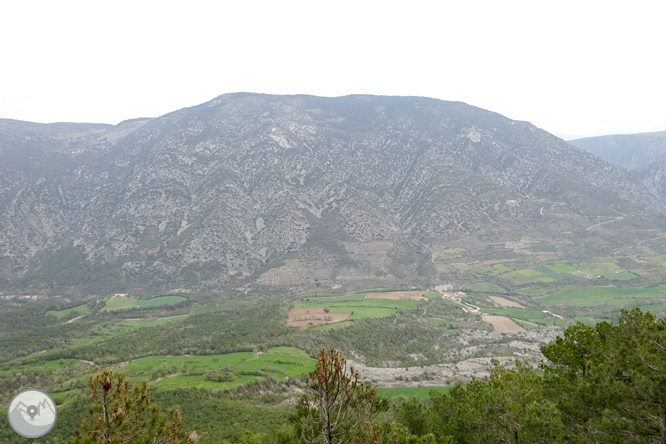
(297, 192)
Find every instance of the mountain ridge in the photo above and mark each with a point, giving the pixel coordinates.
(303, 190)
(641, 154)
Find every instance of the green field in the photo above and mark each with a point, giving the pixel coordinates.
(143, 365)
(190, 371)
(453, 250)
(277, 366)
(162, 300)
(9, 367)
(66, 396)
(495, 269)
(561, 270)
(183, 382)
(622, 276)
(534, 291)
(384, 303)
(484, 287)
(410, 392)
(525, 324)
(560, 266)
(658, 259)
(138, 323)
(123, 303)
(291, 351)
(360, 306)
(536, 275)
(501, 268)
(600, 267)
(360, 311)
(603, 296)
(589, 321)
(119, 303)
(334, 299)
(81, 309)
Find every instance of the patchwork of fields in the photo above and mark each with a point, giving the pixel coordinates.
(357, 306)
(216, 372)
(562, 286)
(549, 271)
(604, 296)
(511, 297)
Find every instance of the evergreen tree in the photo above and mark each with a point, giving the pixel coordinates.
(509, 408)
(609, 382)
(122, 413)
(335, 405)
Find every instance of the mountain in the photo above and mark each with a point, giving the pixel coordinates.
(632, 152)
(644, 155)
(293, 192)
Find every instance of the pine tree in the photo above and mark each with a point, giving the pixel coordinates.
(335, 403)
(122, 413)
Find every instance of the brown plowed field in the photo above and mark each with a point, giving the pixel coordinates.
(304, 317)
(416, 295)
(502, 324)
(504, 302)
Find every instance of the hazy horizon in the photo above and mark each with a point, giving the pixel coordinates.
(570, 68)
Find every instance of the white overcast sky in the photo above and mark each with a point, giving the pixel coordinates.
(570, 67)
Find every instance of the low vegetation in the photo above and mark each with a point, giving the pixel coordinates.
(236, 356)
(603, 385)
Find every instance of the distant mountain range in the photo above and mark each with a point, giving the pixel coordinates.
(644, 155)
(297, 192)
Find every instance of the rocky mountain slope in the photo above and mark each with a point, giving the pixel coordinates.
(295, 192)
(644, 155)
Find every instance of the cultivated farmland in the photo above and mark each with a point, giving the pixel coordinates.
(124, 302)
(310, 311)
